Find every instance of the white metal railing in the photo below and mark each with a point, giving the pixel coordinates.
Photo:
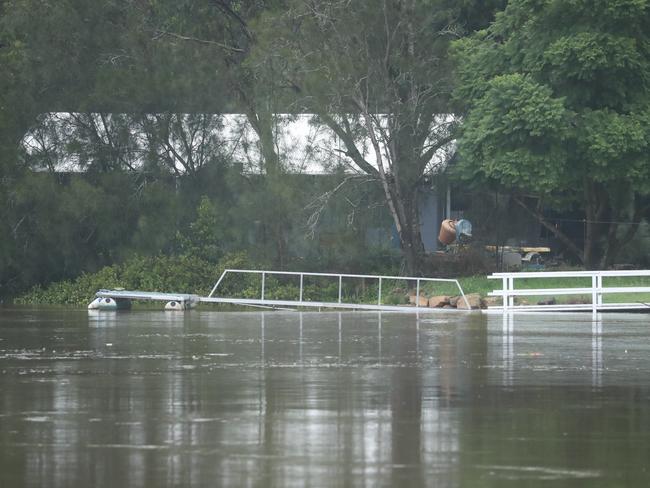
(596, 291)
(341, 276)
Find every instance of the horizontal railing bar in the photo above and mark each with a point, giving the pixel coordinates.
(336, 275)
(541, 291)
(569, 274)
(567, 291)
(569, 307)
(624, 289)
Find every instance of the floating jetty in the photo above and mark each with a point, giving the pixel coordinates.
(121, 299)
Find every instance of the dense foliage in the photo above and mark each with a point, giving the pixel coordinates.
(191, 274)
(557, 98)
(160, 273)
(117, 127)
(80, 225)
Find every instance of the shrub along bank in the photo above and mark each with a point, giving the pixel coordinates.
(181, 274)
(192, 274)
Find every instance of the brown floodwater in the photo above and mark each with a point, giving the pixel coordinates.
(205, 398)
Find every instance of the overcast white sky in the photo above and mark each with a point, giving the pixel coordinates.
(304, 147)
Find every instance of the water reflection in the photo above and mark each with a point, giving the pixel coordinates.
(379, 338)
(597, 350)
(508, 348)
(262, 329)
(353, 399)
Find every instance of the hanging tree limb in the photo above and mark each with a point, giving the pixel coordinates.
(160, 34)
(556, 232)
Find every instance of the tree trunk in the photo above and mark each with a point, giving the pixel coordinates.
(597, 204)
(411, 254)
(561, 236)
(588, 245)
(410, 235)
(616, 243)
(267, 144)
(262, 122)
(611, 246)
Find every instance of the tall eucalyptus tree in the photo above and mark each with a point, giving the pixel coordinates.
(378, 72)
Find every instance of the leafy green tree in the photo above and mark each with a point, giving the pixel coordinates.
(118, 87)
(557, 110)
(206, 235)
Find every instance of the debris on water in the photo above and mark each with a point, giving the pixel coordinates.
(36, 419)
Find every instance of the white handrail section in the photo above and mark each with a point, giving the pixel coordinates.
(596, 291)
(341, 276)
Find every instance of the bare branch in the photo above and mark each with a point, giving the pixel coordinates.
(319, 204)
(160, 34)
(224, 7)
(556, 231)
(352, 150)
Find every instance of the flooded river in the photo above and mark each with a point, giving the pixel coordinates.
(323, 399)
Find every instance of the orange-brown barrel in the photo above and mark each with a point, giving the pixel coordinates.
(447, 232)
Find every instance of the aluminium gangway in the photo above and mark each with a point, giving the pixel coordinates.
(185, 301)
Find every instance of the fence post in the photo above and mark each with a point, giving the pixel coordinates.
(301, 282)
(263, 279)
(504, 297)
(511, 288)
(340, 287)
(594, 293)
(417, 293)
(379, 293)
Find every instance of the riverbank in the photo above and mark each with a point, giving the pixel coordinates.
(187, 274)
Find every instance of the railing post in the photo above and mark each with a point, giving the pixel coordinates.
(301, 282)
(379, 293)
(462, 294)
(263, 279)
(340, 287)
(417, 293)
(599, 284)
(214, 288)
(511, 288)
(594, 293)
(505, 297)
